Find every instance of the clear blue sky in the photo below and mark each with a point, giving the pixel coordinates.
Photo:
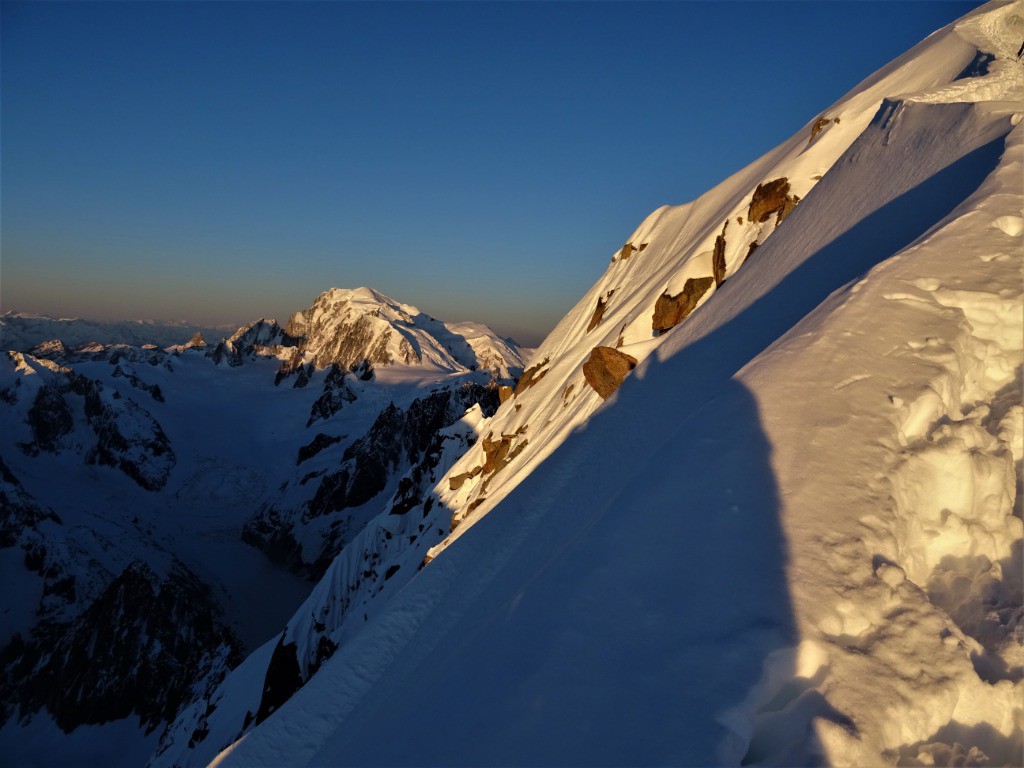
(219, 162)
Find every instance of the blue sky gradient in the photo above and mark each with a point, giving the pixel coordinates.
(218, 162)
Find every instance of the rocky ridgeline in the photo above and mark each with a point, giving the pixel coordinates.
(345, 481)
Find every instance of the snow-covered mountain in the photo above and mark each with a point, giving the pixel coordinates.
(756, 499)
(20, 331)
(130, 475)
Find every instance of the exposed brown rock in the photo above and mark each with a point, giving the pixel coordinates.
(531, 376)
(819, 125)
(504, 393)
(771, 197)
(641, 248)
(627, 250)
(606, 368)
(718, 258)
(495, 452)
(602, 304)
(787, 208)
(457, 481)
(567, 392)
(672, 310)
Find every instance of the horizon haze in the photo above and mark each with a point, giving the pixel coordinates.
(216, 163)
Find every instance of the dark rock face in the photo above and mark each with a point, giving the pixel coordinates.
(606, 368)
(50, 419)
(397, 438)
(531, 376)
(336, 393)
(144, 454)
(627, 250)
(153, 390)
(669, 311)
(282, 680)
(136, 650)
(127, 436)
(772, 197)
(319, 443)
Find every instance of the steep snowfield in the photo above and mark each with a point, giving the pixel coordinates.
(793, 536)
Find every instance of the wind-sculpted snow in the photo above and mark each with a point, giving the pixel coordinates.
(791, 536)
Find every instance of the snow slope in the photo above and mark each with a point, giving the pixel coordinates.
(793, 536)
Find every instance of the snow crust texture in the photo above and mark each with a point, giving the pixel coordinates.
(790, 535)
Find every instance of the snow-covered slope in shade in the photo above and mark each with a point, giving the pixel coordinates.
(793, 535)
(21, 331)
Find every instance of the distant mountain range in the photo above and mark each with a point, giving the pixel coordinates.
(21, 331)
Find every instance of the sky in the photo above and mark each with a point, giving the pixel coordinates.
(218, 162)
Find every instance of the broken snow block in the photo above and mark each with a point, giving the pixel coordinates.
(669, 311)
(606, 368)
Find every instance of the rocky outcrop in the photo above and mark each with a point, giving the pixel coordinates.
(669, 310)
(127, 437)
(772, 197)
(136, 650)
(531, 376)
(398, 438)
(196, 341)
(319, 443)
(820, 124)
(628, 250)
(260, 337)
(606, 368)
(49, 418)
(153, 390)
(335, 394)
(718, 256)
(602, 305)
